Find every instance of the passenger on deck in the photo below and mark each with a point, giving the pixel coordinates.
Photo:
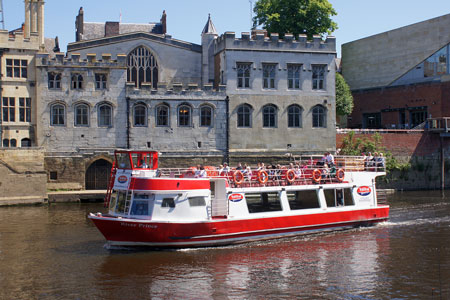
(226, 168)
(239, 166)
(220, 170)
(330, 159)
(297, 172)
(248, 173)
(380, 161)
(202, 172)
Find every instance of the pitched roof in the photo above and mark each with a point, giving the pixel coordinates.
(209, 27)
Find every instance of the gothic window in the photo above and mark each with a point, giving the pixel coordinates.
(294, 116)
(319, 117)
(54, 80)
(162, 115)
(318, 76)
(142, 67)
(77, 81)
(294, 77)
(5, 143)
(16, 68)
(25, 109)
(243, 75)
(9, 109)
(184, 115)
(25, 142)
(206, 115)
(140, 115)
(13, 143)
(269, 76)
(81, 115)
(105, 115)
(269, 116)
(244, 116)
(100, 81)
(57, 115)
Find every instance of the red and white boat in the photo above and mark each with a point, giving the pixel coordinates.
(186, 208)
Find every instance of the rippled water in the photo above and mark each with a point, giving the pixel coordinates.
(54, 252)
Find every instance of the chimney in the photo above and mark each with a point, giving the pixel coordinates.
(163, 22)
(111, 28)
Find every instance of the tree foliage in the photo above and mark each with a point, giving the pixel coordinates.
(308, 17)
(344, 98)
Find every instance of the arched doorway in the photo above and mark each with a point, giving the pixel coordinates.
(97, 175)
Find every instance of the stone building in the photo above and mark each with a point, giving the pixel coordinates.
(401, 77)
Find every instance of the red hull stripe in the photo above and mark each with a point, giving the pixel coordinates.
(127, 231)
(174, 184)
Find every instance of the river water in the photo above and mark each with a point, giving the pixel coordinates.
(55, 252)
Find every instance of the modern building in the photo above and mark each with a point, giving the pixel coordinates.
(401, 77)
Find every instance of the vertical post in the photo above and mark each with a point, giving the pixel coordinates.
(442, 165)
(27, 18)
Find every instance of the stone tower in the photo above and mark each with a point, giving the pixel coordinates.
(209, 34)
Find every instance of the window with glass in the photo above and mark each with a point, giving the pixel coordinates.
(417, 117)
(16, 68)
(105, 115)
(436, 64)
(25, 109)
(142, 67)
(81, 115)
(244, 116)
(168, 202)
(269, 71)
(58, 115)
(54, 80)
(197, 201)
(294, 116)
(243, 75)
(294, 77)
(25, 143)
(100, 81)
(140, 115)
(263, 202)
(269, 116)
(372, 120)
(5, 143)
(318, 77)
(319, 117)
(206, 114)
(139, 208)
(9, 109)
(303, 199)
(184, 115)
(77, 81)
(13, 143)
(162, 115)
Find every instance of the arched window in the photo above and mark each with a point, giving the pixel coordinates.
(319, 117)
(13, 143)
(54, 80)
(184, 115)
(294, 116)
(77, 81)
(244, 116)
(206, 115)
(5, 143)
(142, 67)
(140, 115)
(25, 143)
(105, 115)
(81, 115)
(58, 115)
(270, 116)
(162, 115)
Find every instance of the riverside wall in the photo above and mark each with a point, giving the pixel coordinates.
(23, 178)
(421, 150)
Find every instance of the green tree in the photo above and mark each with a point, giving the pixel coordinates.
(344, 98)
(308, 17)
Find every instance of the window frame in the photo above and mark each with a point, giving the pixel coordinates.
(52, 114)
(319, 118)
(318, 77)
(101, 81)
(145, 116)
(16, 68)
(76, 81)
(81, 113)
(54, 81)
(180, 116)
(9, 109)
(269, 76)
(204, 118)
(244, 116)
(292, 116)
(100, 117)
(294, 76)
(243, 75)
(270, 118)
(24, 109)
(158, 109)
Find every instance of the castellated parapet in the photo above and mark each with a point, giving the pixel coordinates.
(273, 43)
(60, 60)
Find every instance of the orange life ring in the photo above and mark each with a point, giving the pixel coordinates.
(317, 175)
(263, 177)
(238, 177)
(290, 176)
(340, 174)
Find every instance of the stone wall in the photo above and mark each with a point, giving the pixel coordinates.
(22, 176)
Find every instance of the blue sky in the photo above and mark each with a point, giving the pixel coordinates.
(185, 19)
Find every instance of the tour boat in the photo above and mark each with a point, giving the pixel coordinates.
(179, 208)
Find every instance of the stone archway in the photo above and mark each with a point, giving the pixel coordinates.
(97, 175)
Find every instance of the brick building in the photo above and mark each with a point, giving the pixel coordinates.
(401, 77)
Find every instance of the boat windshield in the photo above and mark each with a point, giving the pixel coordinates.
(137, 159)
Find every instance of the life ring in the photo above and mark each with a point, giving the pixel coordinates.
(238, 177)
(316, 175)
(263, 177)
(290, 176)
(340, 174)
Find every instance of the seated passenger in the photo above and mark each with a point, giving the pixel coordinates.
(202, 173)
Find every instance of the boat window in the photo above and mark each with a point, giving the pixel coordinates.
(121, 202)
(339, 197)
(303, 199)
(142, 160)
(263, 202)
(348, 198)
(168, 202)
(112, 201)
(123, 160)
(141, 196)
(330, 198)
(139, 208)
(197, 201)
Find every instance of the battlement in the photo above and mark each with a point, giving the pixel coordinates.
(60, 60)
(259, 41)
(17, 40)
(175, 89)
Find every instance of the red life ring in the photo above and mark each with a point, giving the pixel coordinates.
(340, 174)
(263, 177)
(317, 175)
(290, 176)
(238, 177)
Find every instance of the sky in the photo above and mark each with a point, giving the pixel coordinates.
(356, 19)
